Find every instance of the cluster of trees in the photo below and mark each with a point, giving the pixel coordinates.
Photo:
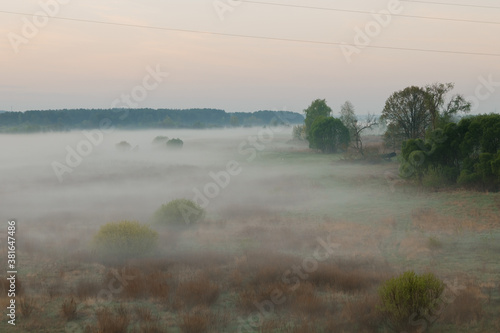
(440, 145)
(159, 142)
(330, 134)
(411, 112)
(439, 148)
(465, 153)
(63, 120)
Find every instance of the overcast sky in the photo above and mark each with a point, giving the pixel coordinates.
(74, 64)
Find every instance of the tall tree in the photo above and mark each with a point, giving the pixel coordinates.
(407, 111)
(328, 134)
(349, 119)
(318, 108)
(436, 99)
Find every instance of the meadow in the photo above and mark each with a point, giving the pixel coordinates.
(296, 241)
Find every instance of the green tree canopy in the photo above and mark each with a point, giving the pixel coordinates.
(411, 112)
(328, 134)
(318, 108)
(407, 110)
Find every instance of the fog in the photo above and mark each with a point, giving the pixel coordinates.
(269, 203)
(110, 184)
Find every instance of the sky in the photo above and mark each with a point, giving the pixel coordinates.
(80, 64)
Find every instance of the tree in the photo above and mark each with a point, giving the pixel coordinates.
(349, 119)
(436, 94)
(234, 121)
(124, 240)
(393, 138)
(179, 213)
(175, 143)
(410, 298)
(407, 111)
(318, 108)
(123, 146)
(299, 132)
(328, 134)
(414, 110)
(467, 153)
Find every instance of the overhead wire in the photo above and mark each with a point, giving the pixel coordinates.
(451, 4)
(367, 12)
(255, 36)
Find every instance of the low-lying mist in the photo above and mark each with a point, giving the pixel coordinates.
(273, 209)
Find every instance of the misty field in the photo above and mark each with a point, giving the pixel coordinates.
(292, 240)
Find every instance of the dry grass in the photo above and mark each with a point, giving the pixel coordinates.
(26, 306)
(346, 277)
(144, 314)
(471, 218)
(69, 309)
(249, 296)
(307, 302)
(109, 321)
(197, 291)
(153, 327)
(198, 320)
(5, 285)
(466, 308)
(361, 312)
(147, 285)
(86, 288)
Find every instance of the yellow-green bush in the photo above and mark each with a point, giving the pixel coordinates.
(179, 212)
(408, 298)
(125, 239)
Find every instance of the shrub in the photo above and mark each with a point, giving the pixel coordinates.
(125, 239)
(179, 212)
(408, 297)
(123, 146)
(160, 140)
(175, 143)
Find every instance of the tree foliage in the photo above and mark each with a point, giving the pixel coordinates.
(408, 298)
(467, 153)
(409, 113)
(328, 134)
(407, 110)
(175, 143)
(179, 213)
(123, 146)
(318, 108)
(125, 239)
(69, 119)
(350, 120)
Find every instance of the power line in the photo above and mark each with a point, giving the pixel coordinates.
(367, 12)
(256, 37)
(450, 4)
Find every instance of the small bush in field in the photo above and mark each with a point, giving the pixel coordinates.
(123, 146)
(179, 212)
(175, 143)
(408, 297)
(68, 309)
(160, 140)
(125, 239)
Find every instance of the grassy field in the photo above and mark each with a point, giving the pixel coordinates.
(298, 242)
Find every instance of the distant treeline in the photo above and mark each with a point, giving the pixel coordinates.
(65, 120)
